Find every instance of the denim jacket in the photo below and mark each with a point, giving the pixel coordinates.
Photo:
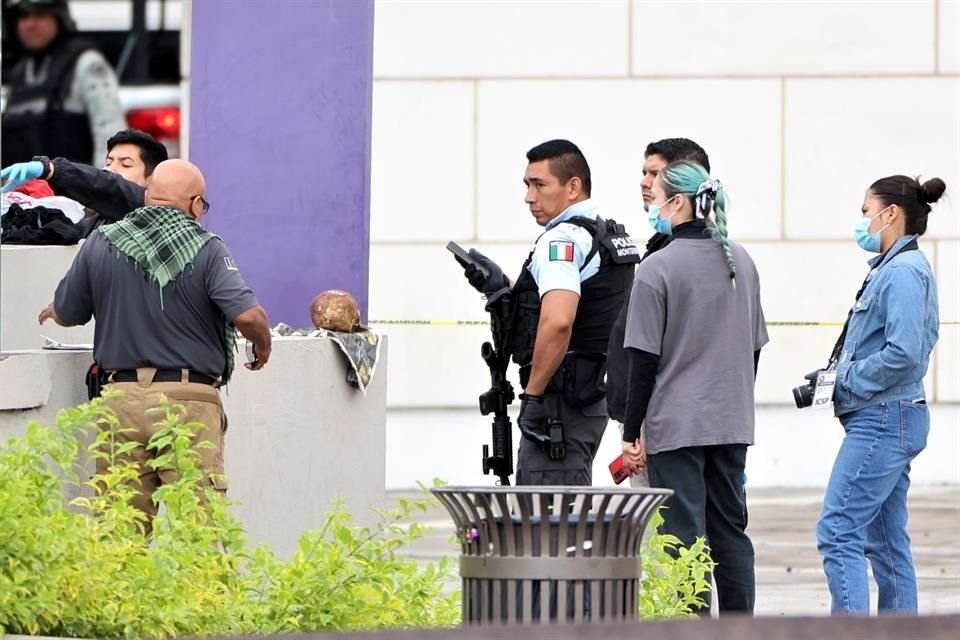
(892, 330)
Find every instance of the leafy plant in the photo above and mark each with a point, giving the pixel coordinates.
(86, 568)
(674, 577)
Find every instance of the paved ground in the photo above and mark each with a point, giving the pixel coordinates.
(789, 576)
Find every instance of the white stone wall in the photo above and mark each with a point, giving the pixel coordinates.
(800, 104)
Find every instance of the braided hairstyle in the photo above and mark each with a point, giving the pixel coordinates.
(692, 181)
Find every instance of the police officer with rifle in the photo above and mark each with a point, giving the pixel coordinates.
(554, 322)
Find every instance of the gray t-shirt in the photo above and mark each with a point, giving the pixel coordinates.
(140, 325)
(684, 309)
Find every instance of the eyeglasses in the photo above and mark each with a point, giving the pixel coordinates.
(204, 204)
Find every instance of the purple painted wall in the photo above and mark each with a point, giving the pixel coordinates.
(280, 100)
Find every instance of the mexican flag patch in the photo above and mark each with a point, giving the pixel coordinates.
(561, 250)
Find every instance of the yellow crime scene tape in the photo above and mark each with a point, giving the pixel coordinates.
(438, 323)
(459, 323)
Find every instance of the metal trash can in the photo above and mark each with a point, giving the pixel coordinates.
(549, 554)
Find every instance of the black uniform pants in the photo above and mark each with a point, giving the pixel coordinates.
(709, 500)
(583, 430)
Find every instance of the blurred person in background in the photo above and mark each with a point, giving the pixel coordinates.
(63, 97)
(881, 358)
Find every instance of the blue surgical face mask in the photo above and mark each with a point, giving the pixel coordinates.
(660, 225)
(869, 241)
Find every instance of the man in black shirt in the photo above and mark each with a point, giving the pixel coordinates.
(110, 193)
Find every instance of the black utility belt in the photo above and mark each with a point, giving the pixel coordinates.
(162, 375)
(579, 379)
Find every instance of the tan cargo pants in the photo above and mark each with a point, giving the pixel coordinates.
(201, 403)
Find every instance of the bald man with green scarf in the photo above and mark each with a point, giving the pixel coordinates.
(168, 299)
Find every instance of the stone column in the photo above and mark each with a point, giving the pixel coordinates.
(280, 99)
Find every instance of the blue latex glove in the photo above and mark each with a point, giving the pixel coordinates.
(20, 173)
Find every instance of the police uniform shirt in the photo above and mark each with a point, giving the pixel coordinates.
(140, 325)
(561, 249)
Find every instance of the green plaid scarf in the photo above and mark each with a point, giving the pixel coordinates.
(162, 241)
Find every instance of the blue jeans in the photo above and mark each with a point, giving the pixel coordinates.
(865, 508)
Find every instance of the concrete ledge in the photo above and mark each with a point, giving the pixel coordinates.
(730, 628)
(299, 436)
(36, 384)
(28, 279)
(25, 381)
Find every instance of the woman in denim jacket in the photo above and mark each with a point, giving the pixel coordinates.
(880, 401)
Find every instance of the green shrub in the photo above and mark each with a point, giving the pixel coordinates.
(85, 567)
(674, 577)
(65, 573)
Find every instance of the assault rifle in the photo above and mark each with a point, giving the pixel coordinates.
(496, 354)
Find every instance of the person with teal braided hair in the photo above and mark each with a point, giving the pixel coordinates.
(656, 156)
(695, 327)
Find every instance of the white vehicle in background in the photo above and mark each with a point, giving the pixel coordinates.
(141, 39)
(156, 110)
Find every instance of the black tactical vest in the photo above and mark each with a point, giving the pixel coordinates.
(46, 129)
(580, 378)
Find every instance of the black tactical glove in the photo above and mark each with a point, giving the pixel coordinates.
(533, 418)
(493, 281)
